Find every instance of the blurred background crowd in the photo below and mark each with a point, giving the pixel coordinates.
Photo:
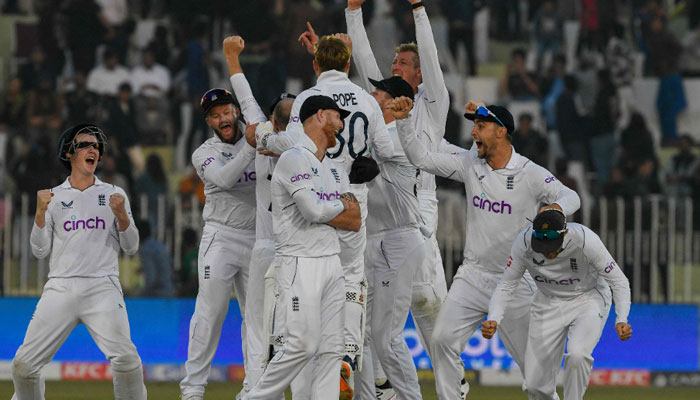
(599, 90)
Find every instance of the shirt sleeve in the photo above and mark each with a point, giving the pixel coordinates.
(223, 175)
(293, 172)
(40, 238)
(550, 190)
(447, 147)
(129, 239)
(515, 269)
(249, 107)
(446, 165)
(602, 261)
(362, 54)
(433, 80)
(382, 145)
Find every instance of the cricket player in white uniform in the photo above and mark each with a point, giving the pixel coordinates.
(264, 249)
(309, 202)
(574, 273)
(419, 66)
(82, 224)
(503, 190)
(225, 165)
(364, 130)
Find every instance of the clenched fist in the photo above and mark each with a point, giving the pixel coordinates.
(401, 106)
(488, 329)
(43, 198)
(116, 203)
(471, 107)
(624, 330)
(233, 46)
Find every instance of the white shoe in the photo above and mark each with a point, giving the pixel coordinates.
(463, 389)
(384, 391)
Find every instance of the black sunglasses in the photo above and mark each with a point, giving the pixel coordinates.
(82, 145)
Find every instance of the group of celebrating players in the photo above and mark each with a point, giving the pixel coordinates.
(323, 219)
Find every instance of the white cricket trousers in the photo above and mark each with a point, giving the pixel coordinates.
(98, 303)
(554, 320)
(464, 309)
(394, 256)
(224, 257)
(311, 304)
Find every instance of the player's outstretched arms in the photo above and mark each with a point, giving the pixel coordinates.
(232, 48)
(624, 330)
(350, 219)
(488, 329)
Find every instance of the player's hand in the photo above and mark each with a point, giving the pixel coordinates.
(309, 38)
(43, 198)
(400, 107)
(413, 1)
(472, 106)
(345, 38)
(233, 46)
(355, 4)
(624, 330)
(117, 204)
(250, 134)
(262, 151)
(348, 199)
(553, 206)
(488, 329)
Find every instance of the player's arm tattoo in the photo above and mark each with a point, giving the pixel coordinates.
(349, 197)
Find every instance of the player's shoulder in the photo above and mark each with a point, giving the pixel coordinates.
(535, 171)
(521, 245)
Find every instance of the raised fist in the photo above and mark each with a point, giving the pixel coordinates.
(43, 198)
(116, 203)
(355, 4)
(233, 46)
(401, 106)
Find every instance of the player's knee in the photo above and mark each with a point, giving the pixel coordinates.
(23, 369)
(126, 362)
(442, 336)
(577, 357)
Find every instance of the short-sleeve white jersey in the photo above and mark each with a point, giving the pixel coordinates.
(82, 233)
(229, 189)
(577, 269)
(392, 200)
(500, 202)
(299, 170)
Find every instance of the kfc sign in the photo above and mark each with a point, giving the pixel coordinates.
(622, 377)
(86, 371)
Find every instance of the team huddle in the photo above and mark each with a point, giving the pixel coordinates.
(323, 217)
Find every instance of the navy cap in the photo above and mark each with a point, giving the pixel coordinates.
(315, 103)
(214, 97)
(395, 86)
(548, 231)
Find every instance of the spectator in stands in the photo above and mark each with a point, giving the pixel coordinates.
(548, 31)
(121, 118)
(570, 122)
(553, 85)
(460, 17)
(151, 85)
(152, 183)
(110, 174)
(517, 83)
(680, 173)
(561, 172)
(104, 80)
(506, 19)
(665, 52)
(619, 58)
(37, 67)
(150, 79)
(188, 282)
(84, 31)
(605, 115)
(589, 36)
(528, 141)
(44, 109)
(635, 173)
(161, 46)
(298, 60)
(587, 77)
(156, 264)
(113, 14)
(197, 76)
(13, 107)
(81, 104)
(189, 187)
(36, 167)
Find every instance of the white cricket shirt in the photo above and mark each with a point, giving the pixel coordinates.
(82, 233)
(500, 203)
(578, 269)
(298, 170)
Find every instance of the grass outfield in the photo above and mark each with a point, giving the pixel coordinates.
(72, 390)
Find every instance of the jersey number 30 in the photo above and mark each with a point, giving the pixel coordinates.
(351, 136)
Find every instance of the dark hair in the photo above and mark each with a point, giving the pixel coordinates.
(154, 168)
(525, 115)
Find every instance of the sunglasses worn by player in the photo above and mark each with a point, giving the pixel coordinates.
(83, 145)
(485, 112)
(547, 234)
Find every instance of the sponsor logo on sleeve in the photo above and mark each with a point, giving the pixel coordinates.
(248, 176)
(206, 163)
(294, 118)
(610, 267)
(550, 179)
(300, 177)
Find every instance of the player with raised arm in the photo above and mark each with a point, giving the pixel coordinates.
(264, 249)
(503, 190)
(82, 224)
(308, 210)
(224, 162)
(418, 64)
(364, 132)
(574, 273)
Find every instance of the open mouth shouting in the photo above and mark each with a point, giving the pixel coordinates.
(91, 160)
(479, 145)
(226, 129)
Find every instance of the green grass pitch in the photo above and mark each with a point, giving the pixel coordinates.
(73, 390)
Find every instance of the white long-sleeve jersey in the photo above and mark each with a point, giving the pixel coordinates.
(81, 232)
(363, 131)
(305, 195)
(392, 201)
(264, 165)
(431, 103)
(228, 173)
(578, 269)
(499, 202)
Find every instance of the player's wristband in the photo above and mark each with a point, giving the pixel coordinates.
(416, 5)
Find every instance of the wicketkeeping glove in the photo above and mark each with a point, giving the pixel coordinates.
(363, 170)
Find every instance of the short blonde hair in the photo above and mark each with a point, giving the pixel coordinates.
(331, 53)
(413, 48)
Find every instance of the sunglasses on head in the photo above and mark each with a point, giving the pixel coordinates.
(214, 94)
(485, 112)
(83, 145)
(547, 234)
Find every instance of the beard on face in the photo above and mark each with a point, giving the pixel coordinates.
(235, 126)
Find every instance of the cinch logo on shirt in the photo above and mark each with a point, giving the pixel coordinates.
(610, 267)
(550, 179)
(569, 281)
(495, 207)
(300, 177)
(90, 223)
(247, 177)
(328, 196)
(207, 162)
